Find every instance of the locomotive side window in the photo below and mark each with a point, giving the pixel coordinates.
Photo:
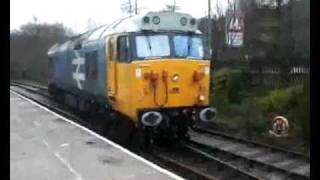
(50, 65)
(91, 65)
(111, 53)
(122, 49)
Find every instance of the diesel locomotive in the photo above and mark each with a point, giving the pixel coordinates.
(152, 70)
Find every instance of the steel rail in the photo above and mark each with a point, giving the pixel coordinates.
(286, 155)
(253, 143)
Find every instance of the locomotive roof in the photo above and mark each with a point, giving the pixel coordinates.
(166, 21)
(151, 21)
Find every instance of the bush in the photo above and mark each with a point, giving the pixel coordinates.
(294, 104)
(238, 86)
(229, 86)
(253, 121)
(251, 109)
(280, 101)
(300, 114)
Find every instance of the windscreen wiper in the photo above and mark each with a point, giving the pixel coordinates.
(149, 44)
(189, 43)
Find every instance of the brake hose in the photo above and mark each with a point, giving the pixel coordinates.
(164, 79)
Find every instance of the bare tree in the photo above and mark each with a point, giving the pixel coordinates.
(127, 7)
(219, 11)
(28, 50)
(91, 24)
(136, 7)
(172, 8)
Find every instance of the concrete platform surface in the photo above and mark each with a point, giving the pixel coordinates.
(46, 146)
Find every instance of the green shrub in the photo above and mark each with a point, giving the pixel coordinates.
(280, 101)
(253, 121)
(251, 109)
(228, 86)
(300, 114)
(219, 87)
(238, 86)
(294, 104)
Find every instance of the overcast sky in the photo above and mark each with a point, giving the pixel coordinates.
(76, 13)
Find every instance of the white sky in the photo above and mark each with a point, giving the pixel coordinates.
(76, 13)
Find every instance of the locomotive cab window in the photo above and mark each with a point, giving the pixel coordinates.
(188, 46)
(123, 49)
(152, 46)
(170, 45)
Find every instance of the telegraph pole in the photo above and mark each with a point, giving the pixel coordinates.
(130, 7)
(136, 7)
(209, 28)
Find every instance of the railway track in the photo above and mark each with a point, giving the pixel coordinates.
(208, 155)
(29, 85)
(41, 96)
(261, 160)
(200, 165)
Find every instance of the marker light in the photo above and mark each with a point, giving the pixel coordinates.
(175, 78)
(193, 21)
(146, 19)
(202, 98)
(156, 20)
(183, 21)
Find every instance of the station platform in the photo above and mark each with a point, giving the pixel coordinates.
(47, 146)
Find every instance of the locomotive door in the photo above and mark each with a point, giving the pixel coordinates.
(111, 67)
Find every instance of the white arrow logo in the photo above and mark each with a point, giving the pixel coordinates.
(77, 75)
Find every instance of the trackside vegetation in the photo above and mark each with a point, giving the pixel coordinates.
(249, 109)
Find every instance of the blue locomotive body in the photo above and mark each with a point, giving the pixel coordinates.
(78, 69)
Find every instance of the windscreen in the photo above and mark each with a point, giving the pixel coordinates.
(149, 46)
(169, 45)
(188, 46)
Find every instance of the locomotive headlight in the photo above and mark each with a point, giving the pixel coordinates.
(156, 20)
(146, 19)
(183, 21)
(193, 21)
(175, 77)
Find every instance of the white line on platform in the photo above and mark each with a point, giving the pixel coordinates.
(104, 139)
(68, 165)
